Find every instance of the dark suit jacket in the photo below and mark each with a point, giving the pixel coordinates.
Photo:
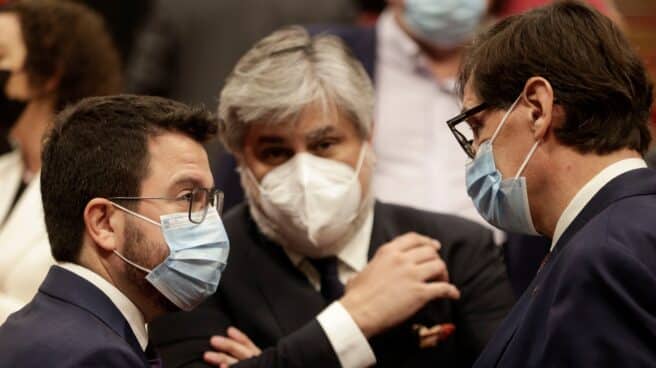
(593, 303)
(69, 323)
(269, 299)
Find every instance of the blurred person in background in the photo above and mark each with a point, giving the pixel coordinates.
(52, 53)
(322, 274)
(187, 49)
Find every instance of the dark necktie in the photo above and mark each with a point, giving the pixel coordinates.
(331, 287)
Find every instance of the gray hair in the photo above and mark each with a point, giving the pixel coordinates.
(288, 71)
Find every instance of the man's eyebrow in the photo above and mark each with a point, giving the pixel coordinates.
(187, 182)
(272, 139)
(320, 133)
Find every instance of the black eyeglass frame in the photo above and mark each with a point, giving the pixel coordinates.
(214, 198)
(466, 144)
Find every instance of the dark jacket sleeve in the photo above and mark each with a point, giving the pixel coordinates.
(181, 338)
(306, 347)
(477, 268)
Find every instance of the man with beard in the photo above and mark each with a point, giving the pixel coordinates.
(324, 275)
(133, 222)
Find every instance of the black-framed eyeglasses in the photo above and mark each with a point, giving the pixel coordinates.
(464, 133)
(199, 199)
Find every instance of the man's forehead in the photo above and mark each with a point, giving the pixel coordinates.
(305, 128)
(170, 152)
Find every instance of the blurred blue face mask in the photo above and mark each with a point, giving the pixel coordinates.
(444, 23)
(197, 257)
(501, 202)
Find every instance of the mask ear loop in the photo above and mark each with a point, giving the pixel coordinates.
(136, 214)
(528, 157)
(251, 177)
(144, 269)
(504, 119)
(363, 154)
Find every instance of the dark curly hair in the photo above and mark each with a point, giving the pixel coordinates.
(69, 42)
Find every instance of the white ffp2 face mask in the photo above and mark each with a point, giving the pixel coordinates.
(312, 201)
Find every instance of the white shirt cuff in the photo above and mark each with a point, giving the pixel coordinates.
(350, 345)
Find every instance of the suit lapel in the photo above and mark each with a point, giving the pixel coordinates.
(71, 288)
(292, 299)
(396, 344)
(383, 230)
(632, 183)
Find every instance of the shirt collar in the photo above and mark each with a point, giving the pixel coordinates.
(130, 312)
(585, 194)
(355, 252)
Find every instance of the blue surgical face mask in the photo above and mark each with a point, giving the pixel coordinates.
(444, 23)
(501, 202)
(196, 260)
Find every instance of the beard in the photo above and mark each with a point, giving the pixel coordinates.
(148, 254)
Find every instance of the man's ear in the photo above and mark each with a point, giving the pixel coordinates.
(104, 224)
(539, 97)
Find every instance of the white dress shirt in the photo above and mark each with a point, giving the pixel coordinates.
(130, 312)
(25, 256)
(419, 162)
(350, 345)
(585, 194)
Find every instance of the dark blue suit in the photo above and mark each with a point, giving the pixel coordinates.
(69, 323)
(593, 303)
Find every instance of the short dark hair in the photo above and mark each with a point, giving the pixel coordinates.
(68, 41)
(594, 72)
(99, 148)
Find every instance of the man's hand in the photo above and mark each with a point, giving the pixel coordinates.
(231, 349)
(403, 276)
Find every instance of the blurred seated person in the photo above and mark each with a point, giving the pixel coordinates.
(52, 53)
(322, 274)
